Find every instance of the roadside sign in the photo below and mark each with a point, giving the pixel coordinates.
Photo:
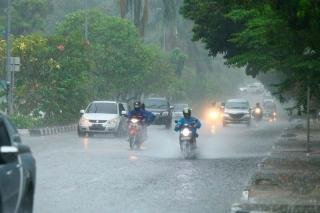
(14, 64)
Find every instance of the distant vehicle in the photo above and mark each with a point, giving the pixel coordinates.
(270, 110)
(177, 114)
(17, 170)
(161, 108)
(237, 111)
(106, 117)
(255, 88)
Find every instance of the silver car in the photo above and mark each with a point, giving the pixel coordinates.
(103, 117)
(237, 111)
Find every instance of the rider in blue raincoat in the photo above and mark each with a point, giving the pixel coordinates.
(149, 115)
(188, 119)
(137, 111)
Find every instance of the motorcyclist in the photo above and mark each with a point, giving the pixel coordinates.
(258, 113)
(137, 111)
(149, 115)
(188, 119)
(146, 116)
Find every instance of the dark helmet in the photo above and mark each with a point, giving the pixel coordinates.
(258, 104)
(137, 105)
(143, 106)
(186, 112)
(213, 103)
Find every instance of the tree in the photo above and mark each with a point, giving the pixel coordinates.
(264, 36)
(27, 15)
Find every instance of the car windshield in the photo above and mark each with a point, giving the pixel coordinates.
(237, 105)
(180, 107)
(107, 108)
(156, 104)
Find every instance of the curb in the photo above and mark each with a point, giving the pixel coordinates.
(48, 130)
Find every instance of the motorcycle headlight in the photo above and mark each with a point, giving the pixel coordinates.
(214, 115)
(185, 132)
(134, 120)
(274, 114)
(84, 122)
(257, 111)
(165, 113)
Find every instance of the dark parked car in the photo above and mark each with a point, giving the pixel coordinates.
(162, 110)
(17, 170)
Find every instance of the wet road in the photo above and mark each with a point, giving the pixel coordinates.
(101, 174)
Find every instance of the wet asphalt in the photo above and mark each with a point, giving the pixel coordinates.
(101, 174)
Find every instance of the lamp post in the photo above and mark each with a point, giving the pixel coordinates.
(8, 68)
(86, 20)
(308, 117)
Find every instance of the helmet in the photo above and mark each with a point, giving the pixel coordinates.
(186, 112)
(258, 104)
(213, 103)
(137, 105)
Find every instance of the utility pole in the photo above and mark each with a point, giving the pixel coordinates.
(86, 20)
(308, 118)
(8, 66)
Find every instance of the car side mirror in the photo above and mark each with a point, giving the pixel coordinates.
(123, 112)
(82, 112)
(9, 153)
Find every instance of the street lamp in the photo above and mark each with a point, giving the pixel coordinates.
(86, 20)
(8, 43)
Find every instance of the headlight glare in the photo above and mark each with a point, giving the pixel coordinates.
(185, 132)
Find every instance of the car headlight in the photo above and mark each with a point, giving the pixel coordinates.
(113, 122)
(185, 132)
(246, 115)
(84, 122)
(226, 115)
(165, 113)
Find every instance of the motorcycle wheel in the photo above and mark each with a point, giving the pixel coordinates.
(132, 142)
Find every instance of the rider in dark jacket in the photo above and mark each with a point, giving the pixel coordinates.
(188, 119)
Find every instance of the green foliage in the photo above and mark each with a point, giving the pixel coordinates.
(263, 36)
(27, 15)
(26, 122)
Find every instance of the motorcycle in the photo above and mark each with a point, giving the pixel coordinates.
(214, 120)
(136, 132)
(257, 114)
(187, 141)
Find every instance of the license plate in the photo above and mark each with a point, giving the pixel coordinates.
(185, 138)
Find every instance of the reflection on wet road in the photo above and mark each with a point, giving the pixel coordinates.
(101, 174)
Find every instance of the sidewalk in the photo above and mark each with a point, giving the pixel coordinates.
(288, 180)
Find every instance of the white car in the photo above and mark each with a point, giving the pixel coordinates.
(106, 117)
(237, 111)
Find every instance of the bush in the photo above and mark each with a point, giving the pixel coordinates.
(26, 122)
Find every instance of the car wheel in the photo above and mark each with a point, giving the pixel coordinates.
(249, 124)
(27, 201)
(168, 125)
(80, 133)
